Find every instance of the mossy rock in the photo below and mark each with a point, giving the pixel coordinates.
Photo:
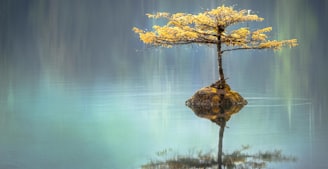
(216, 102)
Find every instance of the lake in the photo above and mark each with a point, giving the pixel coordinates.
(79, 90)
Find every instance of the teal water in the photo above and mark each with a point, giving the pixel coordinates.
(106, 125)
(79, 90)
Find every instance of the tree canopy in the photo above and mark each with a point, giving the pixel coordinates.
(209, 27)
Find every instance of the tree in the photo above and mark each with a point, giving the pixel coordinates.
(210, 28)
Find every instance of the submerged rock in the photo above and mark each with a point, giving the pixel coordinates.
(216, 102)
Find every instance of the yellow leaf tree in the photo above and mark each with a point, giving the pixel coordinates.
(210, 28)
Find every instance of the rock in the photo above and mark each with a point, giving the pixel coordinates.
(216, 102)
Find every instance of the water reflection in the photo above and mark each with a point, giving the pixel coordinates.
(218, 103)
(237, 159)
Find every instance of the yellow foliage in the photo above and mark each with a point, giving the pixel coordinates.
(237, 37)
(259, 35)
(278, 44)
(209, 27)
(137, 30)
(148, 37)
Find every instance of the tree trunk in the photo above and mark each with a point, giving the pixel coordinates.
(220, 64)
(220, 145)
(218, 45)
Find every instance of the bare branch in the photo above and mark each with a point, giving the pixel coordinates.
(241, 48)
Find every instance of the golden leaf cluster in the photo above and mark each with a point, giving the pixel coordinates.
(209, 27)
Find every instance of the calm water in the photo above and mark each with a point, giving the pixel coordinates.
(79, 91)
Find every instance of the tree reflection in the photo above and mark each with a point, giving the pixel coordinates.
(218, 103)
(238, 159)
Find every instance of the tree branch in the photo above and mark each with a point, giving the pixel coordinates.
(242, 48)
